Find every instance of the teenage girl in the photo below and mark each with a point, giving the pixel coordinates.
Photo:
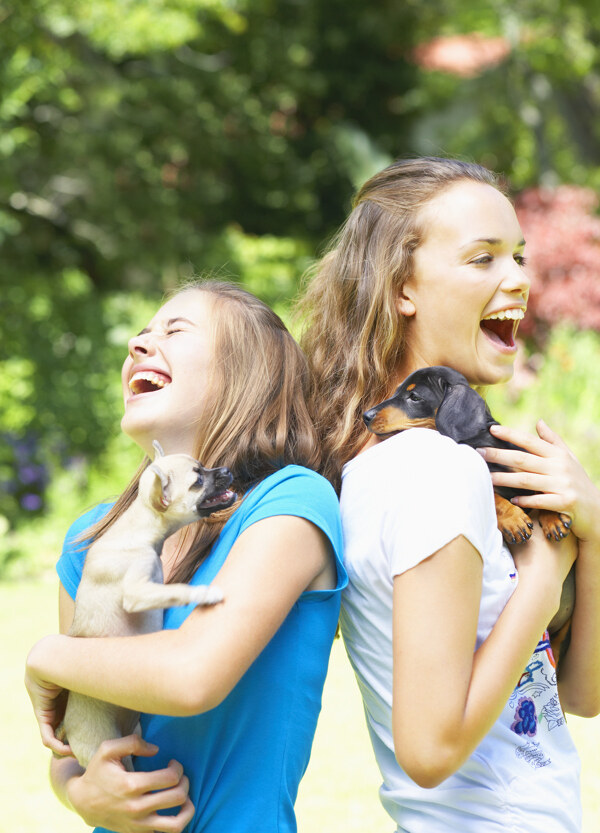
(230, 694)
(446, 636)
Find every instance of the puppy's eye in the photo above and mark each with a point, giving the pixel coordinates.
(199, 479)
(414, 397)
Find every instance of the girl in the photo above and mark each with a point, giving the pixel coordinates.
(230, 694)
(429, 270)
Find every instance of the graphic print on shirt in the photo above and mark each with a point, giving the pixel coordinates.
(525, 722)
(535, 704)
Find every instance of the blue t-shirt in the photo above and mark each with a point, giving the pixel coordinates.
(245, 758)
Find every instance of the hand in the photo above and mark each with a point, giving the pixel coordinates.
(48, 701)
(545, 563)
(106, 795)
(548, 467)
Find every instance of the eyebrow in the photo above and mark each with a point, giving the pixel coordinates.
(491, 241)
(170, 322)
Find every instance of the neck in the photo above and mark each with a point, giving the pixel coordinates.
(372, 440)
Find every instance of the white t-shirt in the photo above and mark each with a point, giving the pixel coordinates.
(401, 501)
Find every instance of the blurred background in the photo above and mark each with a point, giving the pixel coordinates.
(146, 141)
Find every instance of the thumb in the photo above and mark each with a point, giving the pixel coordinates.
(546, 433)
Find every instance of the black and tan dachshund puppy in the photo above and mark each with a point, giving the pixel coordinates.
(441, 398)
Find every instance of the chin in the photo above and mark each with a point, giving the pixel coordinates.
(494, 377)
(138, 433)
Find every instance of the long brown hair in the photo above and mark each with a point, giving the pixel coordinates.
(255, 422)
(353, 333)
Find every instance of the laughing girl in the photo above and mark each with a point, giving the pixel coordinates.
(231, 693)
(446, 637)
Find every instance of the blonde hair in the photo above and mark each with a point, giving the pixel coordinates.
(353, 333)
(256, 419)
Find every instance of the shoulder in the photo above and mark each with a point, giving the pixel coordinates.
(297, 491)
(84, 522)
(421, 453)
(294, 483)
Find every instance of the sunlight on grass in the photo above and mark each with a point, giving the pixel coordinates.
(337, 795)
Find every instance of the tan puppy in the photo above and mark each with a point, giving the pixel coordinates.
(122, 591)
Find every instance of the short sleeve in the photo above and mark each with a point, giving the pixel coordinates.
(447, 492)
(70, 564)
(299, 492)
(302, 493)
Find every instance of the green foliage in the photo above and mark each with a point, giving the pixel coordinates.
(146, 141)
(534, 116)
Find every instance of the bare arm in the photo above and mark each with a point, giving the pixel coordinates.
(190, 670)
(550, 469)
(439, 721)
(106, 795)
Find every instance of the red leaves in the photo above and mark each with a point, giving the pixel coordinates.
(562, 232)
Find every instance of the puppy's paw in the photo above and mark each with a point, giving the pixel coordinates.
(554, 524)
(513, 522)
(204, 594)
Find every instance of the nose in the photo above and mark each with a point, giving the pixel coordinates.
(369, 416)
(223, 476)
(516, 280)
(140, 345)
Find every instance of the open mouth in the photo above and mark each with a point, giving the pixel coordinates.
(501, 327)
(220, 501)
(146, 381)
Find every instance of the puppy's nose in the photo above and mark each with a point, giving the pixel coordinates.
(369, 416)
(224, 476)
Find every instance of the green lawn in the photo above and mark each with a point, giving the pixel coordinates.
(338, 794)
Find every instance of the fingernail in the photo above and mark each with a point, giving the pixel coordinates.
(481, 451)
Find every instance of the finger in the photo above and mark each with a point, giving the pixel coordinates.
(51, 742)
(167, 799)
(520, 460)
(161, 779)
(128, 745)
(524, 439)
(172, 824)
(521, 480)
(548, 435)
(553, 503)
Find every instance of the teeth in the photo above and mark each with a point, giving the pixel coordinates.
(511, 314)
(147, 376)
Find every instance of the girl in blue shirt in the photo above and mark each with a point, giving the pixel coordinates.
(230, 694)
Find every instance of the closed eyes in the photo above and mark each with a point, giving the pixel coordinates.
(484, 260)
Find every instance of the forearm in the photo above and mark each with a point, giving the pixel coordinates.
(437, 726)
(472, 702)
(144, 673)
(62, 771)
(579, 677)
(501, 659)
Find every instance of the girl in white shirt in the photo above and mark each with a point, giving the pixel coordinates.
(447, 637)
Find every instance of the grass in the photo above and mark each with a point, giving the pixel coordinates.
(337, 795)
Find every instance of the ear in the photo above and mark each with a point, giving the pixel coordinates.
(160, 491)
(463, 414)
(404, 302)
(158, 449)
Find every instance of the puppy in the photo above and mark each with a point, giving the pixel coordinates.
(121, 590)
(441, 398)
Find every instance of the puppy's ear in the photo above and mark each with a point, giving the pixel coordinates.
(157, 449)
(463, 414)
(160, 491)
